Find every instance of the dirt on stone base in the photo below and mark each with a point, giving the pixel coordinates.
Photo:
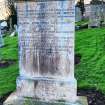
(94, 96)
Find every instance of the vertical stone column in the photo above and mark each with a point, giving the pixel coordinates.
(1, 38)
(46, 48)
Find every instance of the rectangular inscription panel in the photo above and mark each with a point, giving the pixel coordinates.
(46, 38)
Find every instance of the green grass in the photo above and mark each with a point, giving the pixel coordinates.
(81, 22)
(8, 75)
(90, 73)
(10, 51)
(90, 44)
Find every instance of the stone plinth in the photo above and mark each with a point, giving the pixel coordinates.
(32, 101)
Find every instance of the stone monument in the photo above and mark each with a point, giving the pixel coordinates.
(78, 15)
(87, 11)
(46, 48)
(95, 16)
(103, 15)
(1, 38)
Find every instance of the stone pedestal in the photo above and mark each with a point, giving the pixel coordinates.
(46, 47)
(14, 100)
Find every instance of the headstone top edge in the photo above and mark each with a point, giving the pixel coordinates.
(19, 1)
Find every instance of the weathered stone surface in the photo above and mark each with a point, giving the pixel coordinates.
(14, 100)
(103, 15)
(95, 15)
(47, 89)
(1, 39)
(46, 40)
(46, 48)
(78, 15)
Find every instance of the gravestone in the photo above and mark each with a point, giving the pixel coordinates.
(95, 16)
(103, 15)
(46, 47)
(1, 38)
(87, 11)
(78, 15)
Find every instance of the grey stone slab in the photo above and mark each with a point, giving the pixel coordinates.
(15, 100)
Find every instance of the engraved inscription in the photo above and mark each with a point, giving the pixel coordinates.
(46, 38)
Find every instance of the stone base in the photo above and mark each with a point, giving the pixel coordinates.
(93, 26)
(45, 91)
(15, 100)
(103, 24)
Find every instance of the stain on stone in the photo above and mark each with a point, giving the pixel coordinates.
(62, 83)
(35, 84)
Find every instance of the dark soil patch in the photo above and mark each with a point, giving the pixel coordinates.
(6, 63)
(94, 96)
(84, 26)
(77, 59)
(94, 26)
(80, 27)
(4, 97)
